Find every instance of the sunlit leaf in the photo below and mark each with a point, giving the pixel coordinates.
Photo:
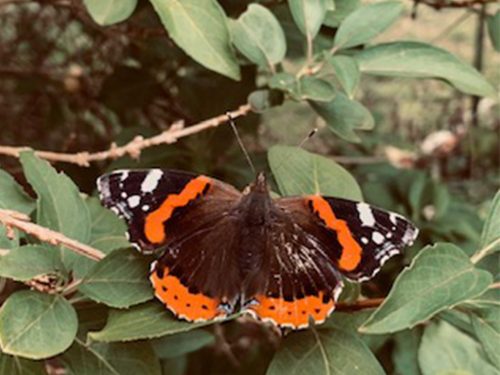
(258, 35)
(111, 359)
(120, 280)
(308, 15)
(26, 262)
(493, 23)
(421, 60)
(343, 8)
(446, 350)
(108, 12)
(200, 28)
(366, 23)
(146, 321)
(12, 197)
(347, 72)
(325, 351)
(59, 204)
(35, 325)
(487, 329)
(299, 172)
(439, 277)
(343, 116)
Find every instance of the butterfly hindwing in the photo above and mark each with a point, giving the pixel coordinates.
(299, 281)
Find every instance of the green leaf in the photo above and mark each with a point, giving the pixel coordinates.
(199, 27)
(111, 359)
(366, 23)
(107, 233)
(182, 343)
(308, 15)
(285, 82)
(347, 72)
(108, 12)
(119, 280)
(491, 232)
(312, 88)
(59, 205)
(35, 325)
(344, 115)
(493, 23)
(12, 197)
(490, 298)
(342, 9)
(26, 262)
(405, 353)
(487, 329)
(259, 37)
(421, 60)
(325, 351)
(107, 230)
(261, 100)
(10, 365)
(146, 321)
(446, 350)
(299, 172)
(439, 277)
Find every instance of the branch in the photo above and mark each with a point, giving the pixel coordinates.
(13, 219)
(359, 305)
(134, 147)
(454, 4)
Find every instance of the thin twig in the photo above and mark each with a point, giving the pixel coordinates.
(359, 305)
(17, 220)
(134, 147)
(485, 251)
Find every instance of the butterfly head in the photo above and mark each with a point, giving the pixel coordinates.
(260, 184)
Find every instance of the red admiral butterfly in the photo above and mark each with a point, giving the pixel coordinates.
(223, 250)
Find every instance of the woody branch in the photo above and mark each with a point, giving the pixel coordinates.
(134, 147)
(17, 220)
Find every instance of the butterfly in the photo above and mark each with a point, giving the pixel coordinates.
(222, 251)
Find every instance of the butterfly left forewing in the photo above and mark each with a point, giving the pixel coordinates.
(151, 198)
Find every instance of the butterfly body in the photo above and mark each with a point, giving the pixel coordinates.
(221, 250)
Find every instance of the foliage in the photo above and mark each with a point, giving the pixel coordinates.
(293, 61)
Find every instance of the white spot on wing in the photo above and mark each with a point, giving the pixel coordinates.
(134, 201)
(365, 214)
(378, 238)
(151, 181)
(364, 240)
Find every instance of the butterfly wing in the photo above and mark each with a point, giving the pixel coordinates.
(311, 242)
(188, 218)
(298, 280)
(149, 200)
(365, 236)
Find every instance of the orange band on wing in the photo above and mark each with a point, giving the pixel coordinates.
(180, 301)
(153, 226)
(293, 314)
(351, 250)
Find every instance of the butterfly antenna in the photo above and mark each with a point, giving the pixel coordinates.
(240, 142)
(308, 137)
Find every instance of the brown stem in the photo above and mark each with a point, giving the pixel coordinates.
(134, 147)
(17, 220)
(359, 305)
